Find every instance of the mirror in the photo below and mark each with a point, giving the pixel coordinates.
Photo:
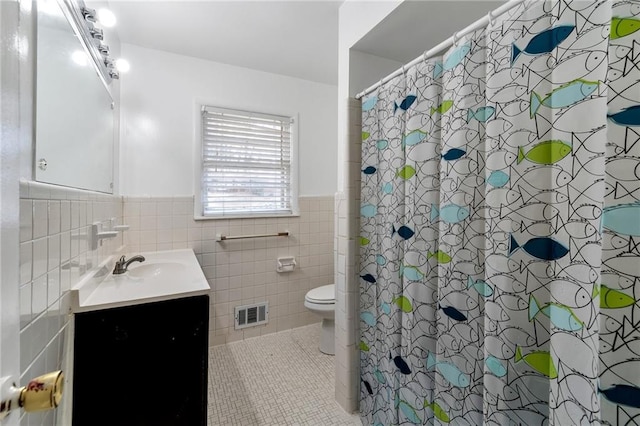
(74, 108)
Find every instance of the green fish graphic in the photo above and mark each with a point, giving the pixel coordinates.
(365, 135)
(442, 257)
(364, 241)
(438, 412)
(538, 360)
(547, 152)
(364, 346)
(407, 172)
(442, 108)
(611, 298)
(403, 303)
(621, 27)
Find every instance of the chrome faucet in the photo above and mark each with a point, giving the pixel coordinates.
(122, 264)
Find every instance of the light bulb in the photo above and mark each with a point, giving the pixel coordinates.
(122, 65)
(106, 18)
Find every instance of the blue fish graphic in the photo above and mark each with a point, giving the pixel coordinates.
(405, 104)
(627, 117)
(480, 286)
(368, 318)
(495, 366)
(498, 179)
(623, 394)
(451, 213)
(368, 278)
(411, 273)
(623, 219)
(382, 144)
(401, 364)
(379, 376)
(368, 210)
(380, 260)
(456, 56)
(369, 103)
(368, 387)
(386, 308)
(438, 69)
(544, 42)
(453, 154)
(453, 313)
(413, 138)
(563, 96)
(449, 371)
(387, 188)
(482, 114)
(404, 231)
(409, 412)
(369, 170)
(560, 315)
(543, 248)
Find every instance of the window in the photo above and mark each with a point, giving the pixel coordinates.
(248, 166)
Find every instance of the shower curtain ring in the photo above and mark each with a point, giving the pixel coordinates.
(403, 69)
(455, 38)
(491, 18)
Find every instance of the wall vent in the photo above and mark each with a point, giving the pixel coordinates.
(251, 315)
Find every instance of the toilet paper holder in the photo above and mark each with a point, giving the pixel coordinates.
(286, 264)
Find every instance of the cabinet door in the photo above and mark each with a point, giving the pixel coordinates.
(142, 365)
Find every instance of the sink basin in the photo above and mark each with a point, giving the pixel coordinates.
(154, 270)
(163, 275)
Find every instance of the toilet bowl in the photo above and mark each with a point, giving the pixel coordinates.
(322, 301)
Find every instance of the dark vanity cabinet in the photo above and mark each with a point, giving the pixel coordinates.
(142, 365)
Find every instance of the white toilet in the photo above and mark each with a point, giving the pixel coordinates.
(322, 301)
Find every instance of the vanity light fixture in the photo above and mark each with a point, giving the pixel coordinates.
(86, 19)
(89, 14)
(111, 67)
(96, 33)
(103, 49)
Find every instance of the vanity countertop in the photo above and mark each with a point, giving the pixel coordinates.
(164, 275)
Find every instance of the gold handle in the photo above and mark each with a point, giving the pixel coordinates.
(42, 393)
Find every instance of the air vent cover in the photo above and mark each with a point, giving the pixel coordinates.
(251, 315)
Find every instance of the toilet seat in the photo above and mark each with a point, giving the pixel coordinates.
(324, 295)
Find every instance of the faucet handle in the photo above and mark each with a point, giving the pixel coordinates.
(122, 259)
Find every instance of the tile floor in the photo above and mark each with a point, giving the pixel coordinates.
(277, 379)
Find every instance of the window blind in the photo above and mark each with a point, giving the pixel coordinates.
(246, 163)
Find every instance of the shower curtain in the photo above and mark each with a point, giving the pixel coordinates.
(500, 226)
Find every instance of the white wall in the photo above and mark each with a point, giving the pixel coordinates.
(355, 71)
(356, 19)
(366, 69)
(157, 136)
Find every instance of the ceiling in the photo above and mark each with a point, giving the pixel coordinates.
(294, 38)
(394, 39)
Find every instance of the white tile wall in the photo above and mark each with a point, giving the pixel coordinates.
(243, 271)
(54, 255)
(346, 256)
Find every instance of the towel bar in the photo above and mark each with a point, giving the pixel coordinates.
(220, 237)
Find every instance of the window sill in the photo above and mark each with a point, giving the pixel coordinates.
(253, 216)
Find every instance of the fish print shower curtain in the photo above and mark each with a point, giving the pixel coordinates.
(500, 226)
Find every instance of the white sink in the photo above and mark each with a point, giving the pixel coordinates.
(163, 275)
(169, 270)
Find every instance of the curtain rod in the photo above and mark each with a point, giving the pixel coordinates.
(482, 22)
